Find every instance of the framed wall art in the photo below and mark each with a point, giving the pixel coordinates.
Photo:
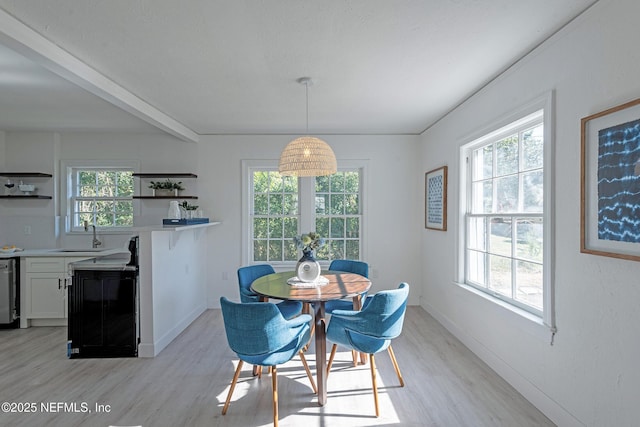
(435, 209)
(610, 182)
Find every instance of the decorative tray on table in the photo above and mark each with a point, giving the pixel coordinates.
(185, 221)
(297, 283)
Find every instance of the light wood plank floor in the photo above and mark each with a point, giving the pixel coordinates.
(186, 385)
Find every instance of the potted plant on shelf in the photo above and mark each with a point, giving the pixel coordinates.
(166, 188)
(189, 210)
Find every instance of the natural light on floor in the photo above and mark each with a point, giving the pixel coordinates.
(349, 396)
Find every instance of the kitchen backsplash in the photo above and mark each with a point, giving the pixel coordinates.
(27, 231)
(44, 232)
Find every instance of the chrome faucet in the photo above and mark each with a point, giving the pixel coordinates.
(95, 242)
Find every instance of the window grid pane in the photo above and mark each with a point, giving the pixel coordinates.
(103, 197)
(504, 226)
(338, 214)
(275, 216)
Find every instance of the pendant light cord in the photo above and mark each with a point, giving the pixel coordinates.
(306, 91)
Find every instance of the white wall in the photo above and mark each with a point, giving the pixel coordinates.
(590, 375)
(172, 285)
(44, 151)
(394, 204)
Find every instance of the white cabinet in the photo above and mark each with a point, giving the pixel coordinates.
(44, 286)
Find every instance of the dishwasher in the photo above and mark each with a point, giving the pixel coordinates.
(9, 294)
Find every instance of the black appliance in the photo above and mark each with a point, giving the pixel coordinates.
(9, 293)
(133, 250)
(103, 308)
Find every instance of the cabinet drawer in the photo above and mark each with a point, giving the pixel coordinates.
(45, 265)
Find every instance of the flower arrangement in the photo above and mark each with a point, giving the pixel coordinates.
(166, 185)
(309, 242)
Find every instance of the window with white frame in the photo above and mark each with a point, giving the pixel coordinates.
(275, 216)
(280, 208)
(101, 196)
(338, 214)
(505, 220)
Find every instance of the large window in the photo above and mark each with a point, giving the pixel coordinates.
(101, 196)
(338, 214)
(279, 208)
(505, 214)
(275, 216)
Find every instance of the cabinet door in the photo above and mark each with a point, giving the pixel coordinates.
(46, 295)
(102, 321)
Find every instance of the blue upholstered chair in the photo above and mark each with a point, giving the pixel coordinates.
(358, 267)
(371, 330)
(259, 334)
(246, 276)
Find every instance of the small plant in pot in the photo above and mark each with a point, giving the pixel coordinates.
(189, 209)
(166, 188)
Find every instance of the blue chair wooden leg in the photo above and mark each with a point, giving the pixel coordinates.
(233, 386)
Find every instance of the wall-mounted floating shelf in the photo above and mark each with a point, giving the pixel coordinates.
(26, 174)
(24, 196)
(165, 197)
(23, 175)
(165, 175)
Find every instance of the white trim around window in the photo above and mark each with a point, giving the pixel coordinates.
(306, 187)
(67, 167)
(518, 118)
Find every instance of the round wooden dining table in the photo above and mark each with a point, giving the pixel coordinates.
(340, 285)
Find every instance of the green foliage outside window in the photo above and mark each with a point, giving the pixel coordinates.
(276, 216)
(104, 198)
(338, 215)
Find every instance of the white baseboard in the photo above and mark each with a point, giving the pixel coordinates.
(533, 394)
(152, 350)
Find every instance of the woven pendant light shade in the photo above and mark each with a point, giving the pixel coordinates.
(307, 156)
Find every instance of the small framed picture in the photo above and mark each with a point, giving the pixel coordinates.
(435, 199)
(610, 182)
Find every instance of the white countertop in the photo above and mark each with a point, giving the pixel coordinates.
(103, 263)
(78, 252)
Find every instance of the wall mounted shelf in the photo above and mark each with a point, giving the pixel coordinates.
(165, 197)
(26, 174)
(24, 196)
(167, 175)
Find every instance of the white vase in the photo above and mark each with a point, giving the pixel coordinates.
(174, 210)
(308, 269)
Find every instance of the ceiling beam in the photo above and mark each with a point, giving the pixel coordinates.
(27, 42)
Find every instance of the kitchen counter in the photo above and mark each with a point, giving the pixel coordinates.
(104, 264)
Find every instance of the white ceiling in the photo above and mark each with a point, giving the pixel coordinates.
(230, 67)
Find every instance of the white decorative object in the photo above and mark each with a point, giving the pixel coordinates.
(174, 210)
(27, 189)
(308, 270)
(164, 192)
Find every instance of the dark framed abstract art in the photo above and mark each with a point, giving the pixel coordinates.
(435, 199)
(610, 182)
